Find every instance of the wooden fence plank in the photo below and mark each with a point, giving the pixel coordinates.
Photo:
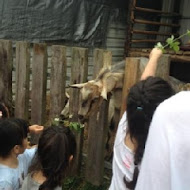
(97, 133)
(134, 69)
(6, 64)
(57, 80)
(39, 80)
(79, 73)
(98, 127)
(102, 58)
(22, 79)
(130, 78)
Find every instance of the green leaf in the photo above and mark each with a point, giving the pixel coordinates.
(188, 32)
(170, 40)
(176, 48)
(177, 43)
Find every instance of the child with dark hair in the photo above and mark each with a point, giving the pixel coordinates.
(14, 157)
(55, 151)
(143, 98)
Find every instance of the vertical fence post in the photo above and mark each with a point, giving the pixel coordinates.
(130, 78)
(79, 73)
(57, 80)
(133, 70)
(39, 81)
(22, 79)
(6, 64)
(97, 130)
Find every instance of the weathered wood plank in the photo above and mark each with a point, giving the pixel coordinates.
(57, 80)
(101, 59)
(79, 73)
(6, 64)
(134, 69)
(22, 79)
(39, 80)
(130, 78)
(98, 127)
(97, 132)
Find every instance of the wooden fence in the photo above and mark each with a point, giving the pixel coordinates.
(79, 72)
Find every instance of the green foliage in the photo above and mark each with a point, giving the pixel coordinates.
(72, 183)
(72, 125)
(172, 43)
(77, 183)
(76, 126)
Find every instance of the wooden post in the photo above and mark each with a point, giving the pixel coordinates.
(130, 18)
(97, 129)
(22, 79)
(79, 73)
(102, 58)
(57, 81)
(163, 69)
(39, 80)
(133, 70)
(130, 78)
(6, 64)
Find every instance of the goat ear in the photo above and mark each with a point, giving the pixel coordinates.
(77, 85)
(104, 93)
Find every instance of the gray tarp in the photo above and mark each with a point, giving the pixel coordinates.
(77, 21)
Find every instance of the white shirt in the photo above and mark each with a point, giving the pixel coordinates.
(123, 159)
(166, 161)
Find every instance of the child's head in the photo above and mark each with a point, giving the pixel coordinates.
(12, 138)
(23, 124)
(4, 112)
(143, 99)
(56, 149)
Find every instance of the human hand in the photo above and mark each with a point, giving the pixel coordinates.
(155, 53)
(36, 129)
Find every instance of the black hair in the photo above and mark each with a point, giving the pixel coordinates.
(56, 145)
(10, 135)
(4, 111)
(23, 124)
(143, 99)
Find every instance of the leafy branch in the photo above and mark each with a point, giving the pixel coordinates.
(172, 43)
(78, 127)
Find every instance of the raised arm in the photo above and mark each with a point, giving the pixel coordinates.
(151, 66)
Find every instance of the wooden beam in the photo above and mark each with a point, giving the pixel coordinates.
(130, 17)
(155, 23)
(153, 33)
(156, 11)
(22, 80)
(174, 58)
(145, 41)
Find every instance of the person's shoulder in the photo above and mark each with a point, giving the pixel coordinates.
(177, 103)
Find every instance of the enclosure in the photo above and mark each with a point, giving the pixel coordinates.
(37, 67)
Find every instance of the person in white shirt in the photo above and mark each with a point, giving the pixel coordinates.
(166, 161)
(143, 98)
